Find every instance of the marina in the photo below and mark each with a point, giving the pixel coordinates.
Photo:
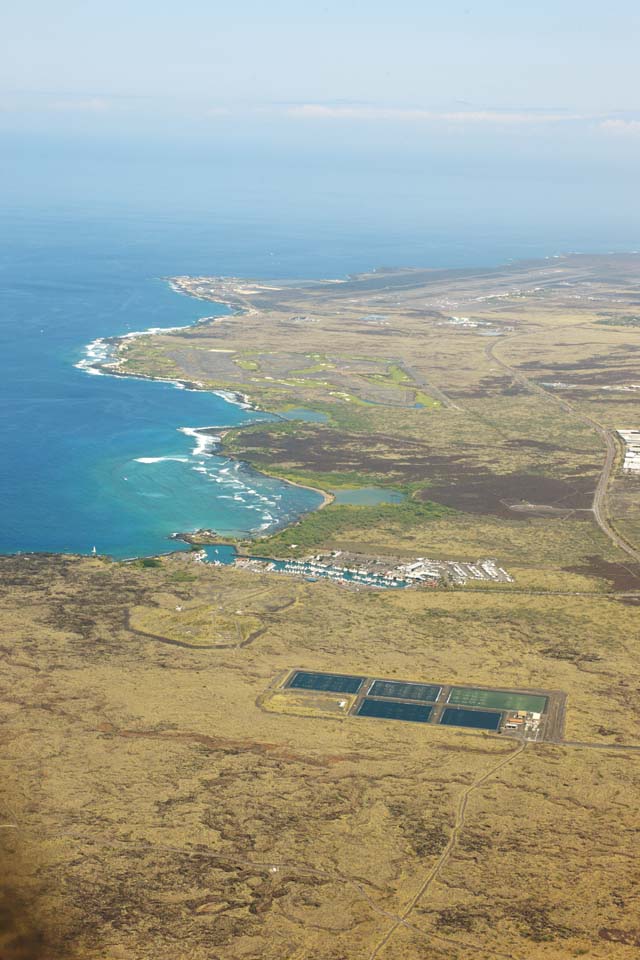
(315, 569)
(360, 570)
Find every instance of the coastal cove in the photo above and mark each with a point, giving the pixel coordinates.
(111, 462)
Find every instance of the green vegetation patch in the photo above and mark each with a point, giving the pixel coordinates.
(142, 356)
(319, 364)
(426, 401)
(340, 480)
(322, 528)
(397, 374)
(246, 364)
(624, 320)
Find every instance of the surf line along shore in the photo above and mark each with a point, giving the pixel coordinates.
(101, 358)
(209, 441)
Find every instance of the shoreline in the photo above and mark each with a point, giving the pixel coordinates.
(327, 496)
(99, 360)
(212, 436)
(109, 367)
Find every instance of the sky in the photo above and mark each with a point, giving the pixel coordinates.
(347, 107)
(417, 61)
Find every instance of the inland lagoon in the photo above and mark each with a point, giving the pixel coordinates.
(368, 496)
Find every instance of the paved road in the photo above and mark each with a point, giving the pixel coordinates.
(599, 503)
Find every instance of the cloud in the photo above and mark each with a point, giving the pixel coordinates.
(315, 111)
(80, 105)
(618, 125)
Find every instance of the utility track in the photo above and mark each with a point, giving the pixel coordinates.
(599, 503)
(448, 850)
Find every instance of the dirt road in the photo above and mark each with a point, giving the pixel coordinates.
(448, 850)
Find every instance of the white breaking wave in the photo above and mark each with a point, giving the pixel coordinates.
(100, 360)
(96, 352)
(238, 399)
(205, 442)
(99, 354)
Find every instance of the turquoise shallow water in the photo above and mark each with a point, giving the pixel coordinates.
(89, 228)
(110, 462)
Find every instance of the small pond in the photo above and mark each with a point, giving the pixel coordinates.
(368, 496)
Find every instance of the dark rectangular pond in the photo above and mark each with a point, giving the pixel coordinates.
(331, 682)
(394, 710)
(480, 719)
(404, 691)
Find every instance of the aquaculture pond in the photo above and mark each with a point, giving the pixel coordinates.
(404, 691)
(478, 719)
(394, 710)
(330, 682)
(497, 699)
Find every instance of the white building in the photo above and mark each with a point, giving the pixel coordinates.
(631, 440)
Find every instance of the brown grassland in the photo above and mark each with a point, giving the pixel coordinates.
(161, 800)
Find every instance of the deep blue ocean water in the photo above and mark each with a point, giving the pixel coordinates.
(97, 460)
(84, 243)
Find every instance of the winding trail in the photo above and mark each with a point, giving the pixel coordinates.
(448, 850)
(599, 504)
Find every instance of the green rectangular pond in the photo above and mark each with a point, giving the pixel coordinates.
(497, 699)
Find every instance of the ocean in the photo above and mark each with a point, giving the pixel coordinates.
(97, 461)
(107, 462)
